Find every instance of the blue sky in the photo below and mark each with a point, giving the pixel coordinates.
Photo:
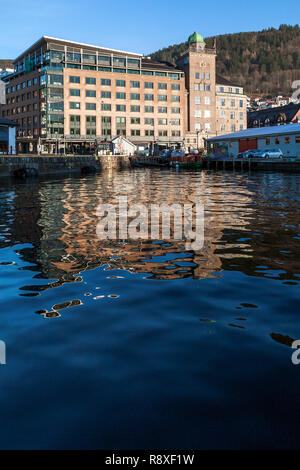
(135, 25)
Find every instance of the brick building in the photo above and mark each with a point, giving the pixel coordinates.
(68, 96)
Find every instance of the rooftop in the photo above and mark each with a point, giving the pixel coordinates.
(223, 81)
(196, 37)
(67, 42)
(259, 132)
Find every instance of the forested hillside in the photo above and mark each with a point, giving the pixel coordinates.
(264, 62)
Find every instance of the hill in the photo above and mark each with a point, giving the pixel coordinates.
(264, 62)
(6, 63)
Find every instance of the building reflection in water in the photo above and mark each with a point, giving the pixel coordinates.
(58, 218)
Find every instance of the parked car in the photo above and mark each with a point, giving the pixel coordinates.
(247, 154)
(269, 153)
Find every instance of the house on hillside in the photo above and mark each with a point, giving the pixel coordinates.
(274, 116)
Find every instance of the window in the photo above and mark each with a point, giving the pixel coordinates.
(207, 126)
(197, 100)
(75, 125)
(223, 127)
(135, 109)
(208, 76)
(106, 107)
(232, 103)
(121, 125)
(149, 109)
(106, 126)
(175, 98)
(162, 133)
(176, 133)
(229, 90)
(74, 105)
(197, 113)
(149, 121)
(286, 140)
(35, 80)
(175, 86)
(241, 103)
(222, 114)
(134, 96)
(120, 83)
(120, 95)
(268, 141)
(149, 97)
(74, 79)
(221, 89)
(162, 109)
(90, 81)
(90, 125)
(175, 110)
(133, 62)
(105, 94)
(207, 100)
(175, 122)
(237, 90)
(197, 76)
(135, 120)
(202, 76)
(74, 92)
(134, 84)
(90, 93)
(197, 126)
(149, 132)
(148, 84)
(91, 106)
(162, 97)
(162, 86)
(162, 122)
(232, 127)
(135, 132)
(121, 107)
(28, 82)
(241, 115)
(222, 102)
(232, 115)
(119, 61)
(297, 139)
(105, 82)
(197, 87)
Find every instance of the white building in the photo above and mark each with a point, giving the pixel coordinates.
(285, 138)
(122, 146)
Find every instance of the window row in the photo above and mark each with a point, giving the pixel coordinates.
(122, 96)
(222, 89)
(232, 102)
(122, 83)
(20, 86)
(123, 107)
(202, 75)
(202, 87)
(199, 100)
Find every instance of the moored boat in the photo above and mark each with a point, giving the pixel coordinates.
(190, 161)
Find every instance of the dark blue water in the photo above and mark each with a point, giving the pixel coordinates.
(141, 344)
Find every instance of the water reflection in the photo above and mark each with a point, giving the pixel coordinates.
(248, 222)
